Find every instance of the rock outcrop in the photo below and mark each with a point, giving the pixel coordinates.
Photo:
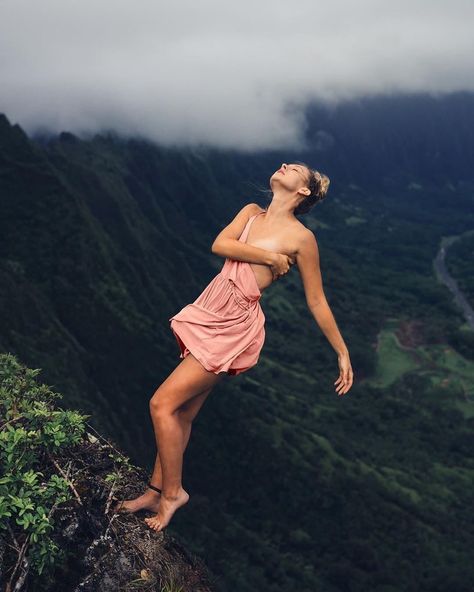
(59, 482)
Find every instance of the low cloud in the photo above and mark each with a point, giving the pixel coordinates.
(230, 75)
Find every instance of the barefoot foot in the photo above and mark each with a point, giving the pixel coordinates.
(150, 500)
(168, 506)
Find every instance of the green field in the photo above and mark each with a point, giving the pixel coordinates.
(439, 364)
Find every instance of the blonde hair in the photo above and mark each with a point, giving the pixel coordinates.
(318, 184)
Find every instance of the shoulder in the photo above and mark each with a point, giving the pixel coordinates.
(306, 239)
(252, 208)
(235, 228)
(247, 211)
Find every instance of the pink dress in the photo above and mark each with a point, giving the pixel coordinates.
(224, 327)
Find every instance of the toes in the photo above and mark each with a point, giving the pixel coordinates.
(152, 523)
(155, 524)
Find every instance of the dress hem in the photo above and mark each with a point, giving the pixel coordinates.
(184, 348)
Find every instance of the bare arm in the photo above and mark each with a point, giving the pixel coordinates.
(227, 242)
(307, 259)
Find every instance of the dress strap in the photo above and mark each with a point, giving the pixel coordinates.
(245, 232)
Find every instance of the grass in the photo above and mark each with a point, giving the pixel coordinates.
(443, 366)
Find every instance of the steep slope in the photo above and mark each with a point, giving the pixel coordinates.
(58, 484)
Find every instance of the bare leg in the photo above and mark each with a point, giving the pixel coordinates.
(188, 379)
(187, 414)
(150, 499)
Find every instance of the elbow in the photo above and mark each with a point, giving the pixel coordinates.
(215, 248)
(223, 247)
(316, 303)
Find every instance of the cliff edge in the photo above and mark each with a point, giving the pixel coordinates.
(59, 479)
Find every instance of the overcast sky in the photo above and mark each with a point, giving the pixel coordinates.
(231, 74)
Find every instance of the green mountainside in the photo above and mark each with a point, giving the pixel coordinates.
(292, 488)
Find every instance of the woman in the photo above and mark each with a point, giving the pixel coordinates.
(222, 331)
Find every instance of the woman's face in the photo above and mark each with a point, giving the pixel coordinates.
(292, 177)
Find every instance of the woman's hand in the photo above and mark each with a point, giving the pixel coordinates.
(345, 374)
(281, 265)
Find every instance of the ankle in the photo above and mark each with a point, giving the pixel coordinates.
(172, 494)
(154, 489)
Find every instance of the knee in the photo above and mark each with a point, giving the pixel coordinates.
(159, 407)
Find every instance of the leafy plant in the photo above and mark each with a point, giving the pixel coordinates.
(33, 433)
